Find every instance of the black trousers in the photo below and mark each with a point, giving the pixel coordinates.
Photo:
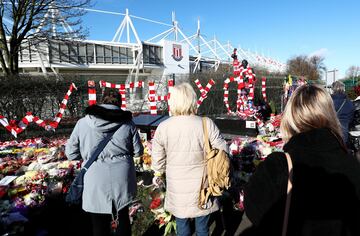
(101, 224)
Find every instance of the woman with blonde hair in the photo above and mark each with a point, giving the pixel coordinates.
(325, 193)
(178, 154)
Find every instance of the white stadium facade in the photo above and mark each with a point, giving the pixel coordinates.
(128, 56)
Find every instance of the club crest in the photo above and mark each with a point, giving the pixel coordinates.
(177, 52)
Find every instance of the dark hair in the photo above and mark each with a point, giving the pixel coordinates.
(338, 87)
(111, 96)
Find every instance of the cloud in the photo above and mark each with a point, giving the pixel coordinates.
(322, 52)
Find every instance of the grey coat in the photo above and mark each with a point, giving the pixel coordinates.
(111, 178)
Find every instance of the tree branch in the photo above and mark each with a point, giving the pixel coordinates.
(27, 16)
(3, 41)
(3, 64)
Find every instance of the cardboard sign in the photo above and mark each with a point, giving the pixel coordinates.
(250, 124)
(7, 180)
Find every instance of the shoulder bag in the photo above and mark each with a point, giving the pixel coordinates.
(75, 192)
(216, 171)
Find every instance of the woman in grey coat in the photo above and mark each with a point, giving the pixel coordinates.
(110, 182)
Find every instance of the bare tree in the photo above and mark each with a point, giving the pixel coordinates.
(36, 21)
(317, 65)
(310, 67)
(353, 72)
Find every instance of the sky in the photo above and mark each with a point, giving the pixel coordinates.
(277, 28)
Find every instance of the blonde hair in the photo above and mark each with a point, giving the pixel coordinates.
(309, 107)
(183, 100)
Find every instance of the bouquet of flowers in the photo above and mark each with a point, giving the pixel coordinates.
(162, 217)
(245, 155)
(146, 158)
(9, 165)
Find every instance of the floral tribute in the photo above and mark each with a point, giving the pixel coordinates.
(162, 217)
(37, 168)
(247, 153)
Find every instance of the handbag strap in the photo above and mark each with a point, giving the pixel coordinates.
(207, 150)
(288, 195)
(206, 136)
(342, 104)
(100, 147)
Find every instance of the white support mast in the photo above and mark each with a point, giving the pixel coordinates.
(54, 14)
(128, 25)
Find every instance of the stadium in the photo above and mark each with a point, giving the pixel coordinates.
(129, 56)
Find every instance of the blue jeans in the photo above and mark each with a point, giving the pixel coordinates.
(201, 226)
